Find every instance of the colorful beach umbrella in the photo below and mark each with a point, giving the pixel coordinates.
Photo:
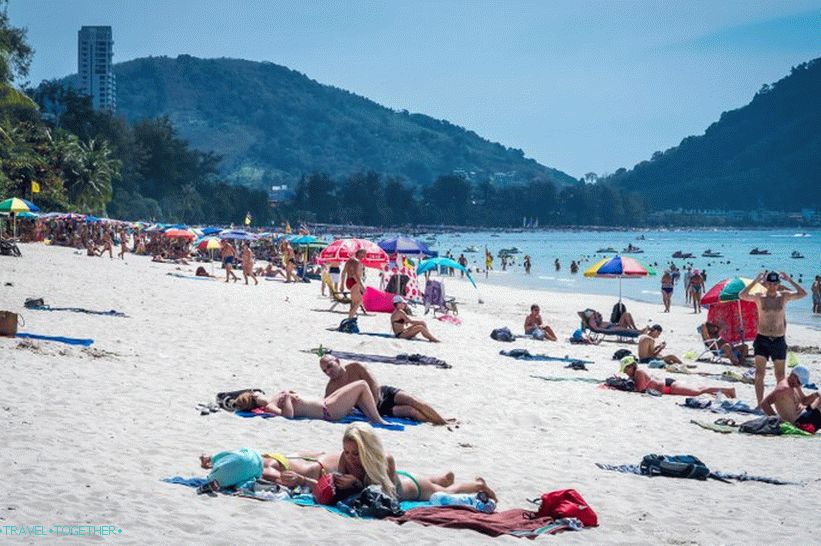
(236, 234)
(435, 263)
(180, 234)
(728, 290)
(620, 267)
(209, 243)
(15, 205)
(405, 245)
(343, 249)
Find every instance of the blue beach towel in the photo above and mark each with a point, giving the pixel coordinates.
(394, 423)
(57, 339)
(739, 477)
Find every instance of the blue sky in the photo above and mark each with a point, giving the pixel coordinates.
(580, 86)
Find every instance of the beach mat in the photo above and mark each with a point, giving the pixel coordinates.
(57, 339)
(111, 313)
(299, 500)
(192, 277)
(787, 429)
(560, 379)
(722, 476)
(524, 354)
(394, 423)
(401, 359)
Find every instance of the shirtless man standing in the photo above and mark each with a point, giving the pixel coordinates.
(107, 245)
(816, 295)
(229, 255)
(390, 401)
(772, 324)
(790, 402)
(352, 276)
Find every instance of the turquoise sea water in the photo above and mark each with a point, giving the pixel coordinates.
(735, 245)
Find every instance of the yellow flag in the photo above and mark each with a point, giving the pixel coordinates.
(35, 187)
(248, 219)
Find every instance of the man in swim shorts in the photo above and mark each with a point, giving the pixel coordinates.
(648, 350)
(228, 253)
(772, 324)
(390, 401)
(791, 404)
(352, 275)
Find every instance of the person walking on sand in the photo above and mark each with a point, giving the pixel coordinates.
(108, 245)
(666, 290)
(769, 341)
(289, 261)
(696, 288)
(228, 254)
(816, 295)
(352, 275)
(248, 263)
(123, 245)
(688, 274)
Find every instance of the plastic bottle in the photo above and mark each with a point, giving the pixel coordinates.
(487, 506)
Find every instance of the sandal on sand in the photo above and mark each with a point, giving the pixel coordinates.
(726, 422)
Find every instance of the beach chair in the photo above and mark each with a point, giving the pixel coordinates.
(601, 334)
(9, 248)
(711, 347)
(434, 298)
(338, 297)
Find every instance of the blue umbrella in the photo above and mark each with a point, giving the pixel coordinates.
(209, 231)
(236, 234)
(304, 240)
(91, 219)
(434, 263)
(405, 245)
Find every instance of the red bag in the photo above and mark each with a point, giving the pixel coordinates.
(325, 490)
(567, 503)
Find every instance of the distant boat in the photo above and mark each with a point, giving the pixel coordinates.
(640, 237)
(607, 250)
(471, 248)
(802, 235)
(757, 252)
(796, 255)
(508, 251)
(632, 250)
(710, 254)
(494, 234)
(680, 254)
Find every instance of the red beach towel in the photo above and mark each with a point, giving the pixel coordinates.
(510, 522)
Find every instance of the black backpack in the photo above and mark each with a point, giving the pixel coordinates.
(674, 466)
(349, 326)
(621, 384)
(502, 334)
(621, 353)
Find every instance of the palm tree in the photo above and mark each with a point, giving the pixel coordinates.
(89, 169)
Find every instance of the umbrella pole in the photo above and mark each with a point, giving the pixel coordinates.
(14, 223)
(620, 288)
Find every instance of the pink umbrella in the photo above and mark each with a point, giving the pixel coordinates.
(180, 234)
(343, 249)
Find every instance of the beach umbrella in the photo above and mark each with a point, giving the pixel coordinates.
(343, 249)
(180, 234)
(737, 319)
(303, 240)
(206, 231)
(405, 245)
(28, 215)
(16, 205)
(620, 267)
(209, 243)
(435, 263)
(236, 234)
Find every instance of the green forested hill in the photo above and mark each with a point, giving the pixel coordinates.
(274, 124)
(766, 154)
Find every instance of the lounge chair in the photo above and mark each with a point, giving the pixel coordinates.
(434, 298)
(712, 347)
(338, 297)
(598, 334)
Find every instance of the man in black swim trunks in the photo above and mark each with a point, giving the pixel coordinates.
(772, 324)
(390, 401)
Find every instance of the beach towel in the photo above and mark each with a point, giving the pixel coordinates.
(193, 277)
(394, 423)
(721, 476)
(513, 522)
(524, 354)
(763, 426)
(57, 339)
(111, 313)
(727, 406)
(580, 379)
(401, 359)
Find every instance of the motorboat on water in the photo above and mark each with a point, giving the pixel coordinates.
(796, 255)
(710, 254)
(680, 254)
(631, 249)
(759, 252)
(471, 248)
(608, 250)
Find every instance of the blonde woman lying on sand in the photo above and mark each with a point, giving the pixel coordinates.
(333, 407)
(363, 462)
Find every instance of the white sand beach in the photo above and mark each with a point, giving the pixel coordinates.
(87, 434)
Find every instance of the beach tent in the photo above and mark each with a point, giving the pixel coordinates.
(621, 267)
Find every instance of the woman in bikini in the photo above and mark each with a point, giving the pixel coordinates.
(333, 407)
(403, 326)
(696, 288)
(643, 381)
(363, 462)
(304, 468)
(666, 290)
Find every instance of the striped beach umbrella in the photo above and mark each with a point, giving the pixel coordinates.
(620, 267)
(15, 205)
(737, 320)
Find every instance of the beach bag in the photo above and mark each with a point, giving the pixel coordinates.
(9, 322)
(502, 334)
(34, 303)
(621, 353)
(618, 310)
(674, 466)
(621, 384)
(767, 426)
(325, 490)
(566, 503)
(226, 400)
(372, 502)
(349, 326)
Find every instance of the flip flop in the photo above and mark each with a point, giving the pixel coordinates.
(726, 422)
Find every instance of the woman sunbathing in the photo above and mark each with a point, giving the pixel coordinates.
(363, 462)
(304, 468)
(403, 326)
(643, 381)
(333, 408)
(595, 321)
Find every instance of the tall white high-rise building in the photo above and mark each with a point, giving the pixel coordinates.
(95, 50)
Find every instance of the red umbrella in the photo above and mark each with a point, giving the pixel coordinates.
(736, 319)
(343, 249)
(180, 234)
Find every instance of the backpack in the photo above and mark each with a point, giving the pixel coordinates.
(620, 384)
(674, 466)
(502, 334)
(621, 353)
(767, 425)
(349, 326)
(566, 503)
(618, 310)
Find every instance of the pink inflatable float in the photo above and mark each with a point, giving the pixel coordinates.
(377, 301)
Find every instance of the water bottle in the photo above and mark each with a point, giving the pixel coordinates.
(480, 502)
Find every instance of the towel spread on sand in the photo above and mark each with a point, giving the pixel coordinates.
(726, 406)
(509, 522)
(299, 500)
(394, 423)
(786, 429)
(400, 359)
(57, 339)
(111, 313)
(194, 277)
(581, 379)
(739, 477)
(524, 354)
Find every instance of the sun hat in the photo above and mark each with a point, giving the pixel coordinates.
(398, 299)
(626, 362)
(803, 374)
